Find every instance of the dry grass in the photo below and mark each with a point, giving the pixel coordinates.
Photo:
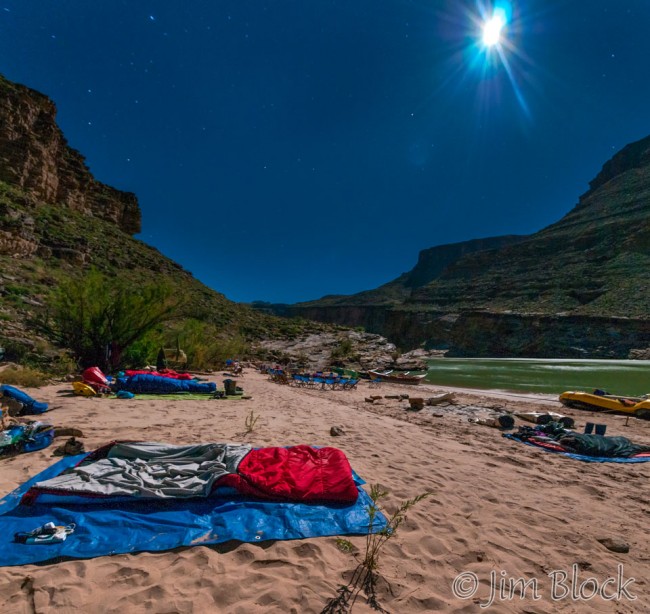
(24, 377)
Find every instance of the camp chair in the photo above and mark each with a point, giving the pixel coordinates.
(374, 383)
(351, 384)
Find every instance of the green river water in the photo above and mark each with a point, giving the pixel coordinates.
(625, 377)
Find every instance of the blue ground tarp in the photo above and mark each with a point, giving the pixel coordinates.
(119, 528)
(582, 457)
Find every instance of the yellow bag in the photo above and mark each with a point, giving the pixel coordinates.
(83, 389)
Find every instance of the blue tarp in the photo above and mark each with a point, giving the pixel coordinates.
(120, 527)
(582, 457)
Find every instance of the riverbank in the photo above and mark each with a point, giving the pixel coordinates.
(497, 506)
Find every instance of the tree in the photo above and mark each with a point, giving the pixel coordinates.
(98, 318)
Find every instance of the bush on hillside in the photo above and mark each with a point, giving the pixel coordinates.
(206, 345)
(99, 319)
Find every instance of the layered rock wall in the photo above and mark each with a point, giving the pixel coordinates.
(35, 156)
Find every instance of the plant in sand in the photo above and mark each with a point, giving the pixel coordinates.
(250, 422)
(364, 577)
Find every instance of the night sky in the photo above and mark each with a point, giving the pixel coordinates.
(284, 150)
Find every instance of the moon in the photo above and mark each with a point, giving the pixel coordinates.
(492, 29)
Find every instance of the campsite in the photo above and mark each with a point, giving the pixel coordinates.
(324, 307)
(495, 504)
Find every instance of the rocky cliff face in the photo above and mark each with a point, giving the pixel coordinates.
(577, 287)
(35, 157)
(56, 221)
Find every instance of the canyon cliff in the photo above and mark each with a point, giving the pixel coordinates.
(57, 222)
(35, 157)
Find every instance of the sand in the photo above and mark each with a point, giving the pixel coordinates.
(498, 507)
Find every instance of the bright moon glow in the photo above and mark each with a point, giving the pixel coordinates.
(492, 31)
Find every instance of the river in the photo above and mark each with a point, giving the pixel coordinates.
(625, 377)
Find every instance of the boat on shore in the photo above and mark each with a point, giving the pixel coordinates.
(397, 378)
(602, 401)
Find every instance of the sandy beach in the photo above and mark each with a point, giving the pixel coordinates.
(499, 509)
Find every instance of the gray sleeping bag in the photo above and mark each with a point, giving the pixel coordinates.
(152, 470)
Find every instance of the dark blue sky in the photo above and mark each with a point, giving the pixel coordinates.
(283, 150)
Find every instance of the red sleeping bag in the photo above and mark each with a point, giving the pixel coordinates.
(164, 373)
(299, 473)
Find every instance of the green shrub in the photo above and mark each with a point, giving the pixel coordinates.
(343, 350)
(364, 577)
(94, 314)
(13, 351)
(206, 346)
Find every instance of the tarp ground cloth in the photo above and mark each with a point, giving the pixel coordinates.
(250, 498)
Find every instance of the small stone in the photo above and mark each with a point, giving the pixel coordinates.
(336, 431)
(615, 544)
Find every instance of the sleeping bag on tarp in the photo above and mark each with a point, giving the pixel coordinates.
(118, 524)
(150, 470)
(29, 406)
(601, 445)
(154, 384)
